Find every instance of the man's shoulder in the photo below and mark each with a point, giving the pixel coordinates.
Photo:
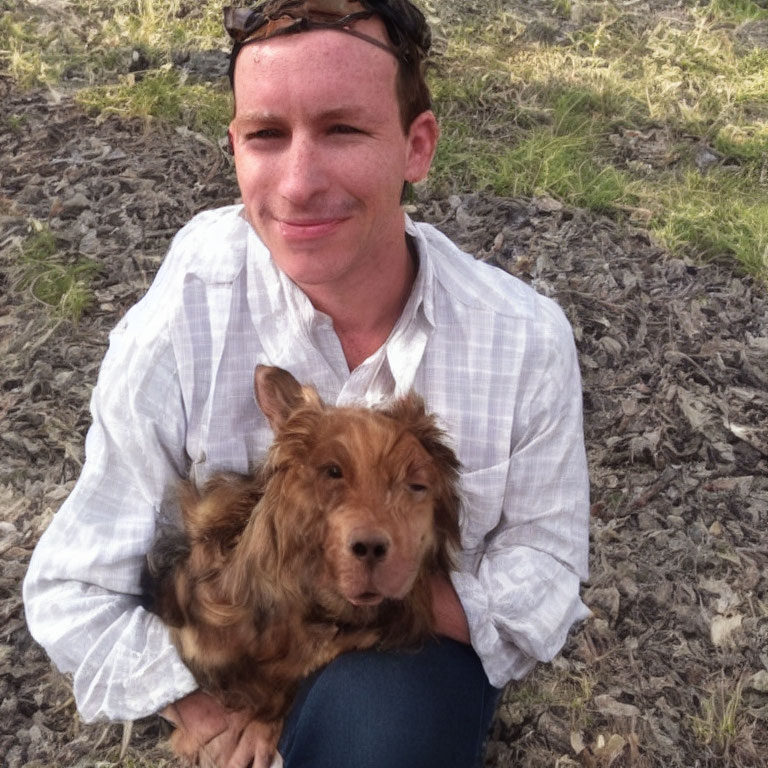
(485, 287)
(211, 246)
(209, 249)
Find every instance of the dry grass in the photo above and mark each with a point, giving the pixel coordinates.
(547, 110)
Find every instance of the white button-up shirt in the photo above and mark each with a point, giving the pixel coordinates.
(492, 358)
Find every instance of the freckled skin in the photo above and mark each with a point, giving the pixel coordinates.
(321, 158)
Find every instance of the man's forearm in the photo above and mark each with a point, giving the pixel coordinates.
(450, 619)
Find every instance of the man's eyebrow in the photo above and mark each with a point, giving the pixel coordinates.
(344, 113)
(256, 117)
(351, 112)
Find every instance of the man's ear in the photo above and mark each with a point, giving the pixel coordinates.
(422, 143)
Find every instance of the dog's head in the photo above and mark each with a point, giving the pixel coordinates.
(363, 502)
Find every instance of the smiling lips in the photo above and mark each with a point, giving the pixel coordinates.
(309, 229)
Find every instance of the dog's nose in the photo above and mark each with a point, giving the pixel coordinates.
(370, 546)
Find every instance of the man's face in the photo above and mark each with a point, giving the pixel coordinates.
(321, 155)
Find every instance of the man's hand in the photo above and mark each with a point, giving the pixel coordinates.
(450, 619)
(212, 736)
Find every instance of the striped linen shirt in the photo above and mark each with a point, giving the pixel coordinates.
(494, 360)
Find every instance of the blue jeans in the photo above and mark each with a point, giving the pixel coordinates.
(429, 708)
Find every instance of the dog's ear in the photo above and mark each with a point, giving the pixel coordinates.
(279, 394)
(412, 414)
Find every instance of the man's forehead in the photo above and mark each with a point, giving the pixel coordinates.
(327, 60)
(319, 42)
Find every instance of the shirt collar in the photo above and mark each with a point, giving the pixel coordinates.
(277, 304)
(423, 292)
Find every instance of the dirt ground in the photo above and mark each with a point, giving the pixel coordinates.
(672, 668)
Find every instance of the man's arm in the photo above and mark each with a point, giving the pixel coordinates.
(81, 589)
(450, 619)
(522, 595)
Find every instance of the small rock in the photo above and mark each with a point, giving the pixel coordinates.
(607, 705)
(759, 681)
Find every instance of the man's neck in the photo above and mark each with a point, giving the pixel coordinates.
(365, 312)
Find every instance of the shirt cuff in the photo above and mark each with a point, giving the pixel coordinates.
(502, 659)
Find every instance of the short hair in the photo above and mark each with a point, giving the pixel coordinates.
(407, 30)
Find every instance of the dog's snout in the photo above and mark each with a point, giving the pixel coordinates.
(370, 546)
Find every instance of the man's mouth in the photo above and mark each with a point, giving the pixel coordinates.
(308, 229)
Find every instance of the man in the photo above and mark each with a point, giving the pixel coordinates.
(320, 272)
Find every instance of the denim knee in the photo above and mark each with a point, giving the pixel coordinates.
(374, 710)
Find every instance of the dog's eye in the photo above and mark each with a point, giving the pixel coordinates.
(417, 487)
(333, 471)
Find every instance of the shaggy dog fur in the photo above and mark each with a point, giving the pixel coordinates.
(328, 547)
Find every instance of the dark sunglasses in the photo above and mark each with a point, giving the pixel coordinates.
(406, 26)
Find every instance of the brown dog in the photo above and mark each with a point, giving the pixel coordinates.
(328, 547)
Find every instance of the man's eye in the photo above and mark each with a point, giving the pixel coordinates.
(344, 129)
(264, 133)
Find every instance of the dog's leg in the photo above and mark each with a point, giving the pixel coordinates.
(185, 745)
(338, 643)
(265, 737)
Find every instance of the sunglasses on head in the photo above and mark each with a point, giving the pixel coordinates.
(406, 26)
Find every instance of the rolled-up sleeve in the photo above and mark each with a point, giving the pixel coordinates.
(521, 591)
(81, 591)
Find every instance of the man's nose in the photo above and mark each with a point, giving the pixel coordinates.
(302, 173)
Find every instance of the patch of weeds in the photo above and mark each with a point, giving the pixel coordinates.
(462, 160)
(15, 123)
(746, 143)
(156, 27)
(33, 50)
(550, 689)
(722, 718)
(562, 166)
(47, 275)
(92, 41)
(29, 67)
(735, 10)
(561, 159)
(573, 693)
(560, 104)
(562, 8)
(695, 79)
(163, 94)
(715, 216)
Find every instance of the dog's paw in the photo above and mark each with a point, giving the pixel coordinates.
(185, 746)
(262, 738)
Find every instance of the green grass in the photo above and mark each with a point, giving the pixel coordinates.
(61, 283)
(524, 110)
(721, 721)
(162, 94)
(553, 118)
(90, 41)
